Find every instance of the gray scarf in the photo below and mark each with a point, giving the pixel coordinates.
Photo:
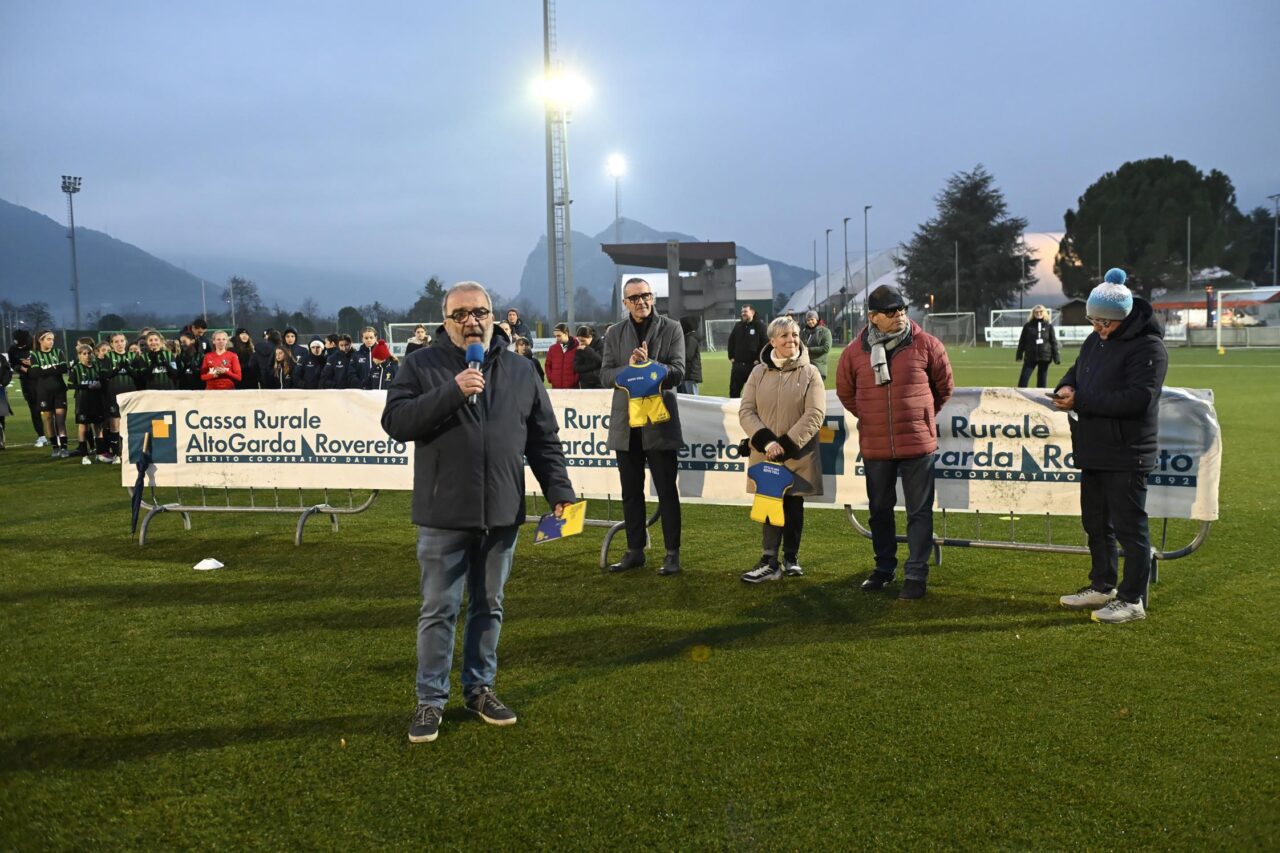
(881, 343)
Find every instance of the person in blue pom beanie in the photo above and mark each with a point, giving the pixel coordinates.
(1112, 393)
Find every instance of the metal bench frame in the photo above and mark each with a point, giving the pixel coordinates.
(154, 507)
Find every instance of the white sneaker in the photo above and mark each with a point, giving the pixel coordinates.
(88, 460)
(117, 461)
(1087, 598)
(766, 570)
(1119, 611)
(42, 442)
(105, 458)
(791, 570)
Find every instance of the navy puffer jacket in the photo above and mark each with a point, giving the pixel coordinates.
(1117, 384)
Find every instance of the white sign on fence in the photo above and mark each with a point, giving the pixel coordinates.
(1000, 449)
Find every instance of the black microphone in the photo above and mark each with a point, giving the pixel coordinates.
(475, 358)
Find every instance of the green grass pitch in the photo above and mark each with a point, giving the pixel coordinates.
(146, 705)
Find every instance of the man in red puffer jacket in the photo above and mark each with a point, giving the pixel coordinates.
(559, 363)
(894, 378)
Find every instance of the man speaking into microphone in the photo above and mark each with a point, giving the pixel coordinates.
(476, 413)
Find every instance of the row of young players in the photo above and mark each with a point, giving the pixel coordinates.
(101, 371)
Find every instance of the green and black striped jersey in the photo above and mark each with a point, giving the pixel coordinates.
(85, 377)
(48, 365)
(121, 371)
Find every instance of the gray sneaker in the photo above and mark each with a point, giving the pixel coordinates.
(1086, 598)
(791, 568)
(486, 705)
(1119, 611)
(765, 570)
(426, 724)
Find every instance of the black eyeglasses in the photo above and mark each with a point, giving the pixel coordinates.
(892, 312)
(460, 316)
(637, 298)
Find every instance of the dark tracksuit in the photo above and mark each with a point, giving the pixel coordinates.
(278, 379)
(746, 341)
(380, 375)
(337, 367)
(358, 372)
(307, 373)
(18, 353)
(1114, 432)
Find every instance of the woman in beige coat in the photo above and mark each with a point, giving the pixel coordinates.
(783, 405)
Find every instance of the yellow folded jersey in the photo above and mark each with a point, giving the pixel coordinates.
(772, 482)
(643, 384)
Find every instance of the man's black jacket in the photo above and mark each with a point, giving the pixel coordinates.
(1117, 384)
(747, 341)
(469, 460)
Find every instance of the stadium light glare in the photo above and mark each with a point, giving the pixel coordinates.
(616, 165)
(564, 90)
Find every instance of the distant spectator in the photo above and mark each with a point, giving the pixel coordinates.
(518, 327)
(382, 367)
(220, 369)
(20, 361)
(290, 339)
(162, 371)
(361, 361)
(242, 346)
(420, 339)
(311, 368)
(692, 356)
(1037, 346)
(817, 342)
(283, 369)
(746, 341)
(338, 364)
(198, 327)
(6, 376)
(524, 348)
(588, 357)
(560, 357)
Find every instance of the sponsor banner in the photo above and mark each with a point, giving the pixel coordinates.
(999, 450)
(265, 439)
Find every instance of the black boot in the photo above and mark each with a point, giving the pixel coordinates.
(630, 560)
(671, 565)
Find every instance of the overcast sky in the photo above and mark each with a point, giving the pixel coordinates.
(403, 138)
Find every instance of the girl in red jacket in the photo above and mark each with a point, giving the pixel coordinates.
(220, 369)
(560, 372)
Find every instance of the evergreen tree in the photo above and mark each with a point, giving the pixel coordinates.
(1142, 209)
(972, 216)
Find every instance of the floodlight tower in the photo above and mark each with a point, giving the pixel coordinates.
(617, 167)
(559, 92)
(71, 186)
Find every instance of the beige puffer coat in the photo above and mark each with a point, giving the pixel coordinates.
(786, 405)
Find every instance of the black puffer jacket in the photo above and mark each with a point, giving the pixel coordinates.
(692, 349)
(1045, 350)
(469, 460)
(1117, 384)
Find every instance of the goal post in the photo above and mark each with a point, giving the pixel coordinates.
(717, 334)
(399, 335)
(957, 328)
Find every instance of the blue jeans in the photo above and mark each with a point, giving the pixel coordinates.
(687, 388)
(450, 560)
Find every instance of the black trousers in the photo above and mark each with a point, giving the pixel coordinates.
(790, 531)
(662, 467)
(882, 494)
(1042, 373)
(1113, 508)
(28, 386)
(738, 375)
